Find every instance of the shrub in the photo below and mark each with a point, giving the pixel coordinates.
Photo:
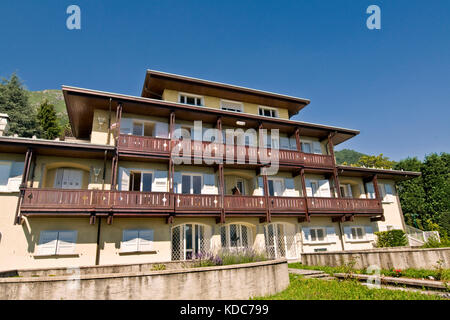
(391, 238)
(158, 267)
(434, 242)
(227, 257)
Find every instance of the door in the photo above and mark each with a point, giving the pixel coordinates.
(281, 241)
(276, 187)
(191, 184)
(188, 240)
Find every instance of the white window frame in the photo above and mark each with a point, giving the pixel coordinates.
(347, 187)
(142, 172)
(63, 169)
(240, 245)
(324, 232)
(386, 197)
(139, 241)
(142, 122)
(241, 105)
(240, 180)
(364, 236)
(271, 109)
(283, 185)
(190, 95)
(57, 243)
(191, 190)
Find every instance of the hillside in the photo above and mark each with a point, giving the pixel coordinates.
(55, 97)
(347, 155)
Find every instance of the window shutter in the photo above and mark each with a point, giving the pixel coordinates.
(160, 184)
(208, 180)
(293, 143)
(324, 188)
(331, 234)
(59, 178)
(308, 188)
(124, 178)
(176, 182)
(66, 242)
(130, 241)
(161, 130)
(47, 243)
(348, 233)
(317, 147)
(126, 125)
(369, 233)
(370, 190)
(306, 235)
(289, 183)
(145, 240)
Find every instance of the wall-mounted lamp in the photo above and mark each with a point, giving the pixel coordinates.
(240, 123)
(101, 121)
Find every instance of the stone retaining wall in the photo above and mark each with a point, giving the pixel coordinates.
(385, 258)
(224, 282)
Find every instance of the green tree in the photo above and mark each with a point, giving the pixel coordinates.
(376, 162)
(412, 195)
(436, 183)
(347, 156)
(14, 102)
(50, 128)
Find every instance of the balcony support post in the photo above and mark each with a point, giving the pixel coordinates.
(297, 140)
(222, 193)
(118, 119)
(115, 161)
(377, 195)
(266, 195)
(305, 196)
(23, 185)
(335, 173)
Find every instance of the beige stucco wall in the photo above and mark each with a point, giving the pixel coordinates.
(99, 134)
(214, 102)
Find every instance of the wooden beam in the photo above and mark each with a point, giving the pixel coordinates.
(23, 185)
(297, 140)
(222, 193)
(375, 219)
(305, 195)
(338, 219)
(266, 196)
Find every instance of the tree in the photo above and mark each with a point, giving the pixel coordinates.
(50, 128)
(411, 194)
(14, 102)
(375, 161)
(347, 156)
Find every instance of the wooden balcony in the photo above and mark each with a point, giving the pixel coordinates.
(54, 201)
(242, 154)
(344, 205)
(143, 145)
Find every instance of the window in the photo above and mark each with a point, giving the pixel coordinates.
(311, 147)
(276, 187)
(191, 99)
(231, 106)
(137, 240)
(346, 190)
(67, 178)
(235, 236)
(317, 234)
(143, 128)
(191, 184)
(57, 243)
(318, 188)
(357, 233)
(189, 240)
(320, 250)
(268, 112)
(5, 168)
(241, 186)
(141, 181)
(386, 192)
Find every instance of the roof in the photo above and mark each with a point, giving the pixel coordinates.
(397, 175)
(81, 103)
(156, 81)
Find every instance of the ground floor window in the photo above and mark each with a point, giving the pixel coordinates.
(57, 242)
(235, 236)
(281, 241)
(137, 240)
(189, 240)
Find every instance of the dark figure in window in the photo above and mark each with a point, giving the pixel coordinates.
(236, 191)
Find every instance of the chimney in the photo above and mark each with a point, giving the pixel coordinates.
(3, 123)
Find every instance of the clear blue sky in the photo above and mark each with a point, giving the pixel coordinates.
(392, 84)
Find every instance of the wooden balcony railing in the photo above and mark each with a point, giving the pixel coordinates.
(287, 204)
(197, 202)
(317, 160)
(344, 205)
(60, 200)
(160, 146)
(244, 204)
(129, 143)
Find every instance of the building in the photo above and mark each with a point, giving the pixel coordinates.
(116, 192)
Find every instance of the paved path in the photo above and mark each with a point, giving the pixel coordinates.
(310, 274)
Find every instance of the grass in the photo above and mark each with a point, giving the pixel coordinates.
(438, 274)
(315, 289)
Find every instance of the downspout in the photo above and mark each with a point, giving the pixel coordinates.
(97, 254)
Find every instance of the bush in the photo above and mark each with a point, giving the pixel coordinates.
(391, 238)
(227, 257)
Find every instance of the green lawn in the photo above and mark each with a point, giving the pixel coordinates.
(314, 289)
(438, 274)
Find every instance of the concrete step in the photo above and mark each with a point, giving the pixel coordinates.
(312, 274)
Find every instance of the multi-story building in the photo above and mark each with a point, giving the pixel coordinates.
(117, 193)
